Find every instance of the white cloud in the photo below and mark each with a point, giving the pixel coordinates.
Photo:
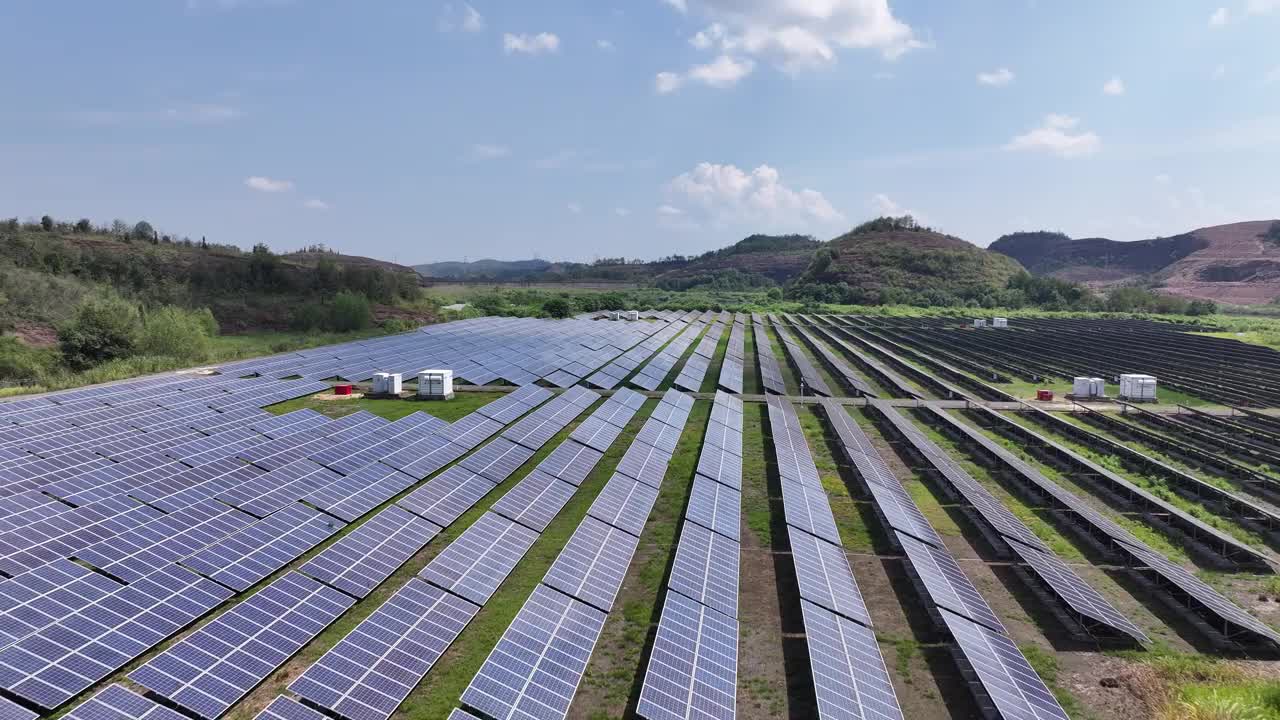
(727, 195)
(723, 72)
(1163, 179)
(1114, 86)
(268, 185)
(1219, 17)
(680, 6)
(669, 211)
(621, 212)
(1054, 137)
(484, 151)
(464, 17)
(530, 44)
(999, 78)
(605, 45)
(1262, 7)
(574, 208)
(314, 204)
(667, 82)
(803, 34)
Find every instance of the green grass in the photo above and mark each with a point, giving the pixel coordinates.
(905, 649)
(755, 478)
(462, 404)
(1253, 700)
(750, 365)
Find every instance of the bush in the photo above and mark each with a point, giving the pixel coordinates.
(174, 332)
(309, 317)
(350, 311)
(101, 330)
(398, 325)
(22, 364)
(557, 308)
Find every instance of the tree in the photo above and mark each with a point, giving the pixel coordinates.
(351, 312)
(174, 332)
(46, 222)
(143, 231)
(83, 225)
(557, 308)
(101, 330)
(264, 267)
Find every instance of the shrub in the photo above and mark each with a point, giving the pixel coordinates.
(174, 332)
(350, 311)
(101, 330)
(398, 325)
(557, 308)
(308, 317)
(22, 364)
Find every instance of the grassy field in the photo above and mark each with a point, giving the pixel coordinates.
(462, 404)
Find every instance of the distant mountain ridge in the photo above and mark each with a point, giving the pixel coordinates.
(1237, 263)
(486, 268)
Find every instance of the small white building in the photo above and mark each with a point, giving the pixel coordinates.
(1138, 388)
(387, 383)
(1000, 322)
(979, 322)
(1088, 387)
(435, 385)
(633, 315)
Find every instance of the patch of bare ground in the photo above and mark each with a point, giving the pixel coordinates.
(35, 334)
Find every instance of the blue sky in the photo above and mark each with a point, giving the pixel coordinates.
(415, 130)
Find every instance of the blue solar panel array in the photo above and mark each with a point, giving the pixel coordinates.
(1006, 679)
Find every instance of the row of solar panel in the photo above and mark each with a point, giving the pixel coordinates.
(695, 368)
(890, 380)
(849, 675)
(369, 672)
(1192, 592)
(809, 375)
(1005, 678)
(692, 669)
(1080, 598)
(479, 351)
(612, 375)
(652, 373)
(536, 667)
(770, 372)
(732, 367)
(852, 380)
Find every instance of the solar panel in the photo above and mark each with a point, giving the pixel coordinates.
(1202, 593)
(41, 597)
(715, 506)
(198, 483)
(693, 667)
(209, 670)
(849, 676)
(284, 708)
(477, 562)
(104, 636)
(629, 398)
(723, 467)
(809, 510)
(362, 559)
(570, 462)
(471, 430)
(722, 436)
(645, 463)
(145, 549)
(498, 459)
(726, 414)
(372, 670)
(354, 495)
(115, 702)
(669, 414)
(706, 569)
(824, 576)
(535, 500)
(615, 412)
(947, 584)
(1076, 593)
(659, 435)
(595, 432)
(279, 426)
(425, 457)
(248, 556)
(444, 498)
(624, 503)
(461, 715)
(28, 507)
(534, 670)
(61, 535)
(593, 563)
(1007, 678)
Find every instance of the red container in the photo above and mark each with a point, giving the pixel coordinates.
(1044, 395)
(342, 389)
